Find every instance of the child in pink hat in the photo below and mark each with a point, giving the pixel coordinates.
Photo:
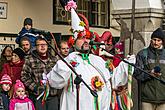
(20, 101)
(5, 83)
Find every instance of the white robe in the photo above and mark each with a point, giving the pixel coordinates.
(60, 75)
(120, 73)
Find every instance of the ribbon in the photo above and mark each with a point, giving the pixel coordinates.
(129, 95)
(96, 103)
(46, 93)
(85, 57)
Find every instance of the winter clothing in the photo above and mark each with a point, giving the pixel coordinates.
(32, 75)
(158, 33)
(4, 100)
(13, 70)
(28, 21)
(6, 79)
(21, 104)
(18, 84)
(28, 33)
(19, 52)
(152, 90)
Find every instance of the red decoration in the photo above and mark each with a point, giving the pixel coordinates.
(71, 41)
(97, 84)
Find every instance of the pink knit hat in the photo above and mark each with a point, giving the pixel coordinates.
(18, 84)
(120, 45)
(6, 79)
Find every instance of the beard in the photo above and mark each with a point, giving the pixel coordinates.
(83, 48)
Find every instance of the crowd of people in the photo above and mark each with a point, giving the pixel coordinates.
(33, 78)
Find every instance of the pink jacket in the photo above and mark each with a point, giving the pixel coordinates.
(21, 104)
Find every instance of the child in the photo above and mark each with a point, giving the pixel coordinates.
(20, 101)
(27, 31)
(4, 95)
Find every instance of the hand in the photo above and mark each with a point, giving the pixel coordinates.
(45, 79)
(131, 59)
(155, 74)
(38, 90)
(44, 76)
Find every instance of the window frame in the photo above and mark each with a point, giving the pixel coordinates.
(89, 14)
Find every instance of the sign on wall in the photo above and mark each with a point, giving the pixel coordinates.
(3, 10)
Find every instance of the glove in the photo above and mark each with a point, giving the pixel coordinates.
(39, 89)
(45, 79)
(131, 59)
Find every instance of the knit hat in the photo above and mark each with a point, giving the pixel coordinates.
(158, 33)
(120, 45)
(6, 79)
(19, 52)
(18, 84)
(28, 21)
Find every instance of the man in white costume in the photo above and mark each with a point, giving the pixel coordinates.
(89, 66)
(92, 70)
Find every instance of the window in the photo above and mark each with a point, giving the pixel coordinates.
(96, 11)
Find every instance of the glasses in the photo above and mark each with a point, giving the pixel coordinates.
(41, 45)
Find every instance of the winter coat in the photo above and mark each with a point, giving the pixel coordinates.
(28, 33)
(152, 90)
(21, 104)
(13, 70)
(33, 69)
(4, 101)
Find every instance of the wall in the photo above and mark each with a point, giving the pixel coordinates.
(127, 4)
(41, 11)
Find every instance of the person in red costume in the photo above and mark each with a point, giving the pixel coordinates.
(119, 53)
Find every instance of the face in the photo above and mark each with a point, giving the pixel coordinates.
(108, 47)
(117, 50)
(42, 47)
(156, 43)
(25, 45)
(20, 92)
(6, 87)
(8, 52)
(82, 43)
(15, 58)
(28, 27)
(64, 50)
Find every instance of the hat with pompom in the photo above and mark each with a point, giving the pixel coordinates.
(6, 79)
(18, 84)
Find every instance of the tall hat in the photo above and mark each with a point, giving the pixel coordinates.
(76, 23)
(6, 79)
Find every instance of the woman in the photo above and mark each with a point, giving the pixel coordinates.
(5, 56)
(14, 67)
